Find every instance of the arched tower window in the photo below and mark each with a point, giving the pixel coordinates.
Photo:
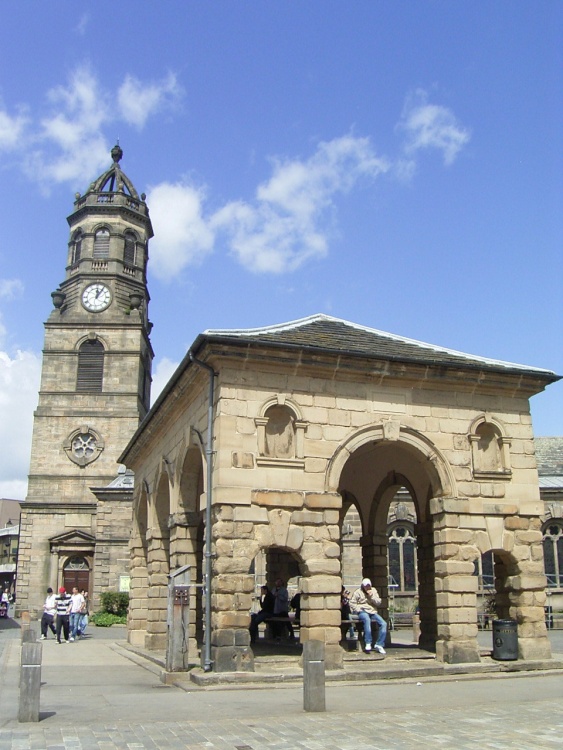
(553, 553)
(101, 244)
(130, 250)
(76, 247)
(90, 374)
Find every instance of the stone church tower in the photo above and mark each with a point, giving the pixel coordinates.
(95, 389)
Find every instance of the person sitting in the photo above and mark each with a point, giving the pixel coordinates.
(266, 611)
(281, 609)
(364, 603)
(296, 606)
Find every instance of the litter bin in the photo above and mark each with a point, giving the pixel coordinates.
(505, 640)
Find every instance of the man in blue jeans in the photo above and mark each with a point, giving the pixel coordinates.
(364, 603)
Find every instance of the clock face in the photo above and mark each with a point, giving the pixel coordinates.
(96, 297)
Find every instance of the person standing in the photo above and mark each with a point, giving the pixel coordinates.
(364, 602)
(83, 622)
(62, 603)
(48, 617)
(77, 604)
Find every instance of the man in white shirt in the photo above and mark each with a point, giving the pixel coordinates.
(77, 606)
(49, 612)
(364, 603)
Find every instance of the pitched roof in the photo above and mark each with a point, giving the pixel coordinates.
(549, 456)
(327, 334)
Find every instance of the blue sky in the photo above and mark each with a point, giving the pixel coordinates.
(395, 164)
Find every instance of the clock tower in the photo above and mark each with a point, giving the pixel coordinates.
(95, 390)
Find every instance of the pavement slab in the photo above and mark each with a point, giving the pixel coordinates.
(94, 697)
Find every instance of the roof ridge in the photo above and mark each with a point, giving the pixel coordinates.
(300, 322)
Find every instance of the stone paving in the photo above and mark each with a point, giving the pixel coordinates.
(94, 698)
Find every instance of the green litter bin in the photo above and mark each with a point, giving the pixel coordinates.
(505, 640)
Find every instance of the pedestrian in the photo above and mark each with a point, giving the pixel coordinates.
(84, 614)
(364, 602)
(62, 603)
(76, 609)
(48, 616)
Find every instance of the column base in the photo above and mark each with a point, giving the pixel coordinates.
(534, 648)
(232, 659)
(458, 652)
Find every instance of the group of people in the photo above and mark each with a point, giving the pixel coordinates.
(363, 603)
(65, 614)
(274, 606)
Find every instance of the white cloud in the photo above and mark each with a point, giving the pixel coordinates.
(68, 144)
(19, 385)
(432, 126)
(11, 130)
(161, 375)
(182, 235)
(10, 288)
(138, 101)
(284, 226)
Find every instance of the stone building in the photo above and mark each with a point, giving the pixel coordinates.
(95, 389)
(277, 432)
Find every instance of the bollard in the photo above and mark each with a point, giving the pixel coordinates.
(30, 681)
(314, 676)
(415, 628)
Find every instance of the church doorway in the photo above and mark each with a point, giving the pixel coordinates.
(76, 572)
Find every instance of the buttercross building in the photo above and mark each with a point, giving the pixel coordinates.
(95, 389)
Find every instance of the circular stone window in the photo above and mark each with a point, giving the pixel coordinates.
(83, 445)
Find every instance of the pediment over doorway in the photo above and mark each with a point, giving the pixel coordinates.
(72, 540)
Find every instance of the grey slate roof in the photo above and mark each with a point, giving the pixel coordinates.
(327, 334)
(549, 456)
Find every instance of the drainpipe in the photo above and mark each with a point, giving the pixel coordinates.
(207, 663)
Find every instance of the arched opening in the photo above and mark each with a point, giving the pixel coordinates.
(187, 537)
(391, 483)
(158, 563)
(90, 370)
(278, 570)
(138, 554)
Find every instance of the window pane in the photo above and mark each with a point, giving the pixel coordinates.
(408, 562)
(549, 561)
(394, 561)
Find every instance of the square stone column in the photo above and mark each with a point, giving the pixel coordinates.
(456, 591)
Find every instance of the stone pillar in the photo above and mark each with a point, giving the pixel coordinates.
(138, 593)
(184, 528)
(320, 614)
(232, 589)
(157, 570)
(525, 587)
(426, 585)
(456, 591)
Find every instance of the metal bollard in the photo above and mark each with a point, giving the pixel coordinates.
(314, 698)
(30, 681)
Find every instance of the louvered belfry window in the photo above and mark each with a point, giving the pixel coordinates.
(129, 252)
(90, 374)
(76, 247)
(101, 244)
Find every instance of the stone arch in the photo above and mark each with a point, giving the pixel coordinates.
(439, 471)
(138, 555)
(187, 532)
(158, 562)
